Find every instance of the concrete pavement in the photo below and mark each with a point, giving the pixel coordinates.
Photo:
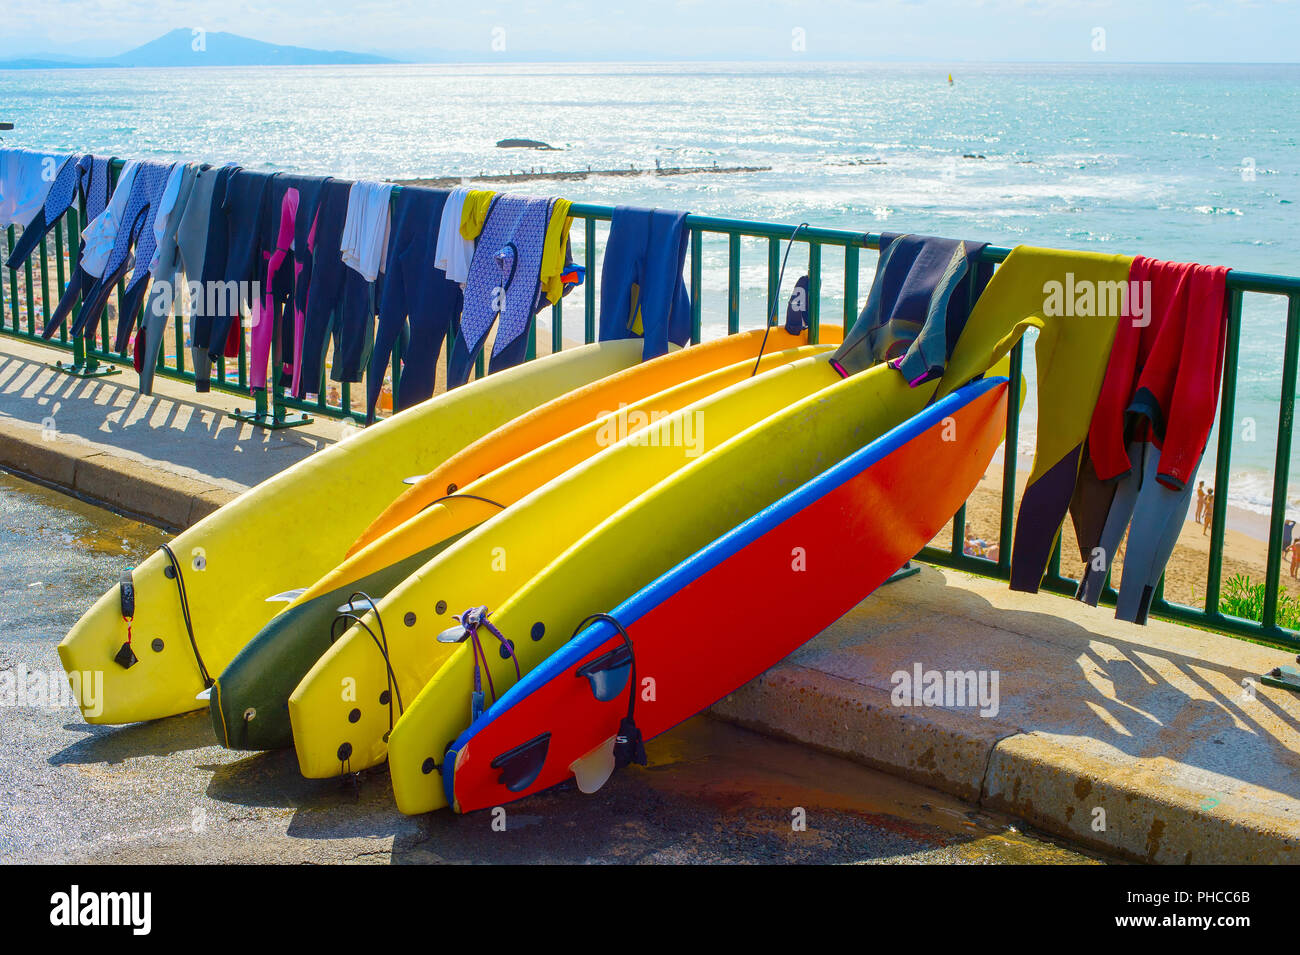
(1141, 741)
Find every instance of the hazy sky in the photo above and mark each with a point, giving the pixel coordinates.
(932, 30)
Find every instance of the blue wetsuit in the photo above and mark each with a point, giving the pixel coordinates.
(63, 192)
(646, 248)
(417, 297)
(237, 213)
(504, 283)
(333, 287)
(135, 230)
(96, 185)
(918, 305)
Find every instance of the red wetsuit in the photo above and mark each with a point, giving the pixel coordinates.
(1164, 371)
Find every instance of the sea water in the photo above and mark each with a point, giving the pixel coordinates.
(1184, 162)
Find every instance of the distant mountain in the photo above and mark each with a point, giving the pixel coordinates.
(178, 48)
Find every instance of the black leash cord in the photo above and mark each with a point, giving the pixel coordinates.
(627, 640)
(472, 497)
(381, 642)
(776, 299)
(185, 613)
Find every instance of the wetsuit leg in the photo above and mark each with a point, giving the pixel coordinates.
(278, 225)
(326, 293)
(665, 306)
(417, 295)
(622, 268)
(353, 330)
(309, 196)
(508, 357)
(1101, 555)
(429, 327)
(1158, 518)
(244, 207)
(215, 249)
(460, 361)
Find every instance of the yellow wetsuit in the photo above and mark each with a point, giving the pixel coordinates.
(1074, 299)
(553, 248)
(474, 212)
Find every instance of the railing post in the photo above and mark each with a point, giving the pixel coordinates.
(1282, 463)
(1223, 456)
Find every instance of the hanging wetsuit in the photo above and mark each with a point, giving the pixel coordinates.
(135, 231)
(417, 296)
(95, 186)
(646, 249)
(236, 212)
(1055, 292)
(147, 261)
(919, 303)
(504, 282)
(167, 270)
(310, 189)
(68, 182)
(25, 181)
(279, 225)
(1150, 428)
(334, 286)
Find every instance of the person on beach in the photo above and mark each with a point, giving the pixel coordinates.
(977, 547)
(1200, 500)
(1208, 512)
(1295, 560)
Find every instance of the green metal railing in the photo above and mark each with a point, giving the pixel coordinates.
(274, 408)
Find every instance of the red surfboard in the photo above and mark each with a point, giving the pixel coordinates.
(732, 610)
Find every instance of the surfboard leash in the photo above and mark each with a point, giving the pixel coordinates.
(185, 614)
(771, 315)
(471, 621)
(381, 643)
(629, 746)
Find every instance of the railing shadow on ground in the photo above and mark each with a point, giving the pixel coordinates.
(1176, 711)
(162, 428)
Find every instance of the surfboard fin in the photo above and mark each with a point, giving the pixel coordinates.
(521, 766)
(608, 673)
(593, 770)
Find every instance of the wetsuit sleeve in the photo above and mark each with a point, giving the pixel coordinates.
(1200, 372)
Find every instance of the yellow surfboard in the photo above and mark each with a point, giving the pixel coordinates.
(643, 539)
(344, 708)
(576, 409)
(249, 700)
(284, 534)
